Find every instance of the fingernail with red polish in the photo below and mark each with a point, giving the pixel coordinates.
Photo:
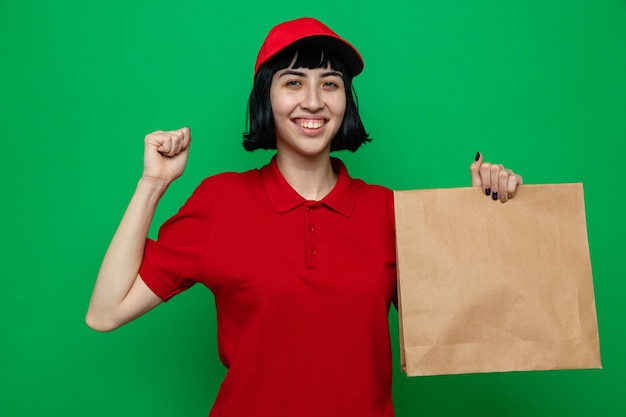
(494, 196)
(477, 156)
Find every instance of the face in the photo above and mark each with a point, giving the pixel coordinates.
(308, 106)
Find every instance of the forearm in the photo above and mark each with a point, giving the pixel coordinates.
(120, 266)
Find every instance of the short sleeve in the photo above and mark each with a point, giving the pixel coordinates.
(175, 261)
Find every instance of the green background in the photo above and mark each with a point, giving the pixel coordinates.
(537, 85)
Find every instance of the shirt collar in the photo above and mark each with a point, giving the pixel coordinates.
(284, 198)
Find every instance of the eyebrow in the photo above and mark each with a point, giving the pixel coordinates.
(302, 74)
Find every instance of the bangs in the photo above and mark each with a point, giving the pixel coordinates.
(310, 58)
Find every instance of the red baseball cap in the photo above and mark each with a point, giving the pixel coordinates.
(308, 31)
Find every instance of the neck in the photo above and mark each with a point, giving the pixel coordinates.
(312, 178)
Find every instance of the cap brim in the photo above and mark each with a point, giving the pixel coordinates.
(337, 47)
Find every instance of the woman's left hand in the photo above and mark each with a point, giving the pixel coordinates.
(496, 181)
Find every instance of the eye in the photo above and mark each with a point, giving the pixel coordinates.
(332, 85)
(293, 83)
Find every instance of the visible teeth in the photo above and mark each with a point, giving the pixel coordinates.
(311, 125)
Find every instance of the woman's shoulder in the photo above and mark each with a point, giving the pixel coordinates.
(231, 180)
(373, 190)
(219, 187)
(359, 185)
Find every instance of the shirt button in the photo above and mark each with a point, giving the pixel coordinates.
(309, 209)
(313, 252)
(311, 228)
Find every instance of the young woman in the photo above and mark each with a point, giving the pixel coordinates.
(299, 256)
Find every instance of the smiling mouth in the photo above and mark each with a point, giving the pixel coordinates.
(310, 124)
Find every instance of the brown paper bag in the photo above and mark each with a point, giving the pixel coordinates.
(491, 287)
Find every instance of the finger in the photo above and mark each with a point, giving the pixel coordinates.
(186, 138)
(475, 170)
(173, 142)
(485, 177)
(186, 132)
(159, 140)
(513, 181)
(165, 145)
(503, 185)
(495, 182)
(154, 138)
(177, 142)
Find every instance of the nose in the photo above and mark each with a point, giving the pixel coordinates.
(312, 99)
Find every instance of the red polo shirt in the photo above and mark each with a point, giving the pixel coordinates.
(302, 291)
